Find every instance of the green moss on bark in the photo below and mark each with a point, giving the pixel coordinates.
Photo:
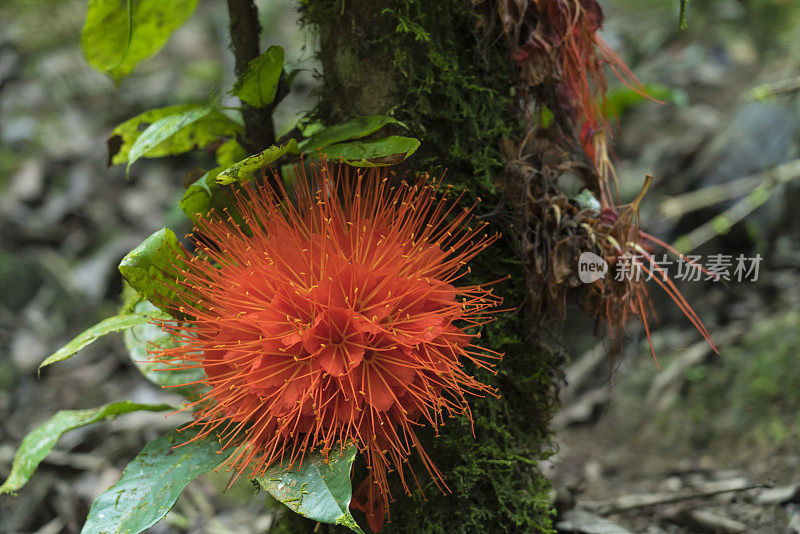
(422, 62)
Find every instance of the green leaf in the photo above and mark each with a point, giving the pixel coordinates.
(354, 129)
(621, 99)
(387, 151)
(163, 129)
(147, 268)
(202, 132)
(90, 335)
(152, 482)
(318, 490)
(204, 194)
(39, 442)
(229, 153)
(147, 336)
(259, 83)
(115, 41)
(246, 169)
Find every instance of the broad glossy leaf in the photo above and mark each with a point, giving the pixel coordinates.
(354, 129)
(318, 490)
(40, 441)
(163, 129)
(259, 83)
(90, 335)
(151, 483)
(202, 132)
(147, 267)
(387, 151)
(246, 170)
(146, 336)
(115, 43)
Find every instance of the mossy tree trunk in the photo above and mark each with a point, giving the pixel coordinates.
(425, 63)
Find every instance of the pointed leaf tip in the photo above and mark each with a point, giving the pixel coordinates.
(319, 489)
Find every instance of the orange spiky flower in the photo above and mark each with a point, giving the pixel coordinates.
(331, 319)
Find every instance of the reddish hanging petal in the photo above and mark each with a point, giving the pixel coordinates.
(368, 499)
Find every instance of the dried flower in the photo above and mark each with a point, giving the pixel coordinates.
(334, 318)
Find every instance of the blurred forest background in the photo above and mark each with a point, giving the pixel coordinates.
(716, 427)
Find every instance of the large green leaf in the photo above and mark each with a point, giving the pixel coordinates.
(116, 40)
(38, 444)
(152, 482)
(200, 133)
(163, 129)
(353, 129)
(320, 489)
(380, 152)
(259, 83)
(146, 336)
(246, 170)
(112, 324)
(149, 267)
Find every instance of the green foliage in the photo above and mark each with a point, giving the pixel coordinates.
(203, 129)
(245, 170)
(116, 323)
(204, 195)
(352, 129)
(620, 99)
(319, 489)
(229, 153)
(115, 38)
(259, 83)
(39, 442)
(364, 153)
(147, 268)
(379, 152)
(163, 129)
(152, 482)
(145, 336)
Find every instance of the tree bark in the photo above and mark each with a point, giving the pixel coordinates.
(424, 63)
